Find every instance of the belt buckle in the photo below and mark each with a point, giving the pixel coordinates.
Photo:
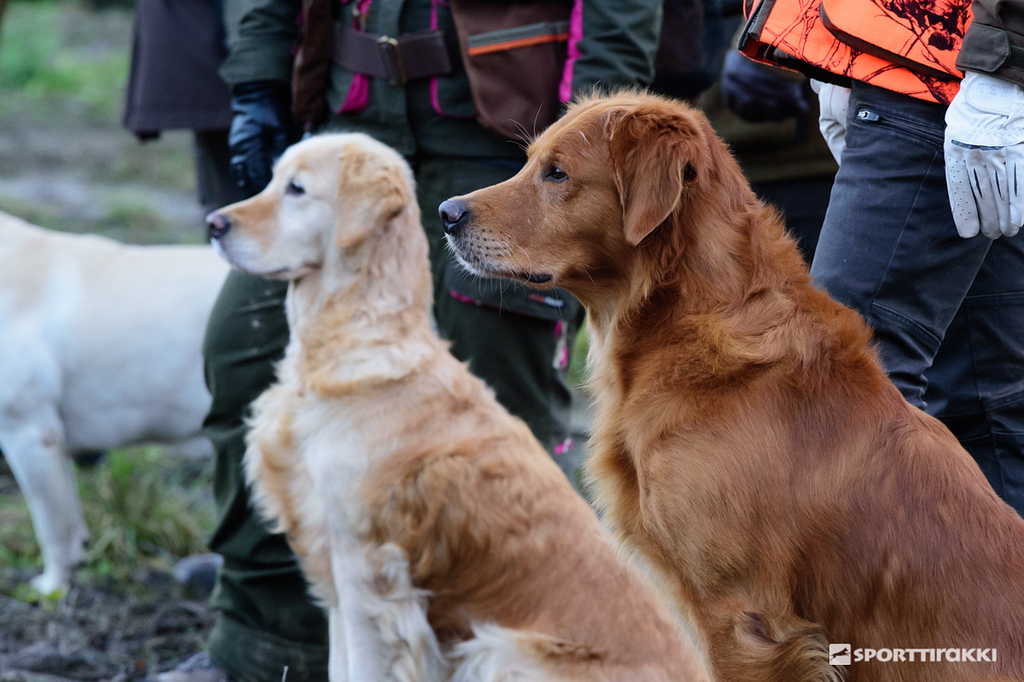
(391, 55)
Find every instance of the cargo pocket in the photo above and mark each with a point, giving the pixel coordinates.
(515, 69)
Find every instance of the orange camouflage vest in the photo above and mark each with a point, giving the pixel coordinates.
(908, 46)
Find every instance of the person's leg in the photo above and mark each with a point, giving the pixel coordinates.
(266, 619)
(212, 158)
(889, 248)
(515, 338)
(976, 384)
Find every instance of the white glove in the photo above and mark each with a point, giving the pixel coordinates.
(985, 156)
(833, 103)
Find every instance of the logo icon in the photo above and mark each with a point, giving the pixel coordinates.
(840, 654)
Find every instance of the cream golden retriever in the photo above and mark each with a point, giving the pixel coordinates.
(445, 541)
(748, 443)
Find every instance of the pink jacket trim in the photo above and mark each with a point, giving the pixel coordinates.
(461, 298)
(575, 35)
(435, 100)
(358, 96)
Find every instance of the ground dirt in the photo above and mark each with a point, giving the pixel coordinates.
(113, 624)
(100, 631)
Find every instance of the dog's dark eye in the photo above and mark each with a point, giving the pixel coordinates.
(295, 189)
(555, 174)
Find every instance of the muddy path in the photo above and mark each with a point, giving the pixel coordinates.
(101, 631)
(115, 623)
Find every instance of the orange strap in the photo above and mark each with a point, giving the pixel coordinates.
(513, 44)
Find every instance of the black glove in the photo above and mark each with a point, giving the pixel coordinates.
(756, 94)
(260, 132)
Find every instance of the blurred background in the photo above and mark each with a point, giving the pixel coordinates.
(67, 164)
(65, 161)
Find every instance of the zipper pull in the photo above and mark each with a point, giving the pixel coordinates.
(866, 115)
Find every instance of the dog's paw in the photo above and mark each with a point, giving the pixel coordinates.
(49, 586)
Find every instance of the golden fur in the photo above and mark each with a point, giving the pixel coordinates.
(402, 484)
(748, 443)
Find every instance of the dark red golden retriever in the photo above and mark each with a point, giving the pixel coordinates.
(748, 444)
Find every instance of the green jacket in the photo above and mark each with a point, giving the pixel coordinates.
(617, 47)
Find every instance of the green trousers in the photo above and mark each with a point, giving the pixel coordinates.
(516, 339)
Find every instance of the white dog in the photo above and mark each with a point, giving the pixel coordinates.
(100, 347)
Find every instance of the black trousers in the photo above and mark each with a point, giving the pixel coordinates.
(947, 312)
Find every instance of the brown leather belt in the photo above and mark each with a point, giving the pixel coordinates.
(399, 60)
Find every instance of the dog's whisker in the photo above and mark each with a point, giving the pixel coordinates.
(524, 133)
(529, 260)
(522, 145)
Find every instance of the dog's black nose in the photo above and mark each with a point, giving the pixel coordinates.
(217, 225)
(454, 215)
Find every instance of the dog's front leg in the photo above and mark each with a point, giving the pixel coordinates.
(366, 656)
(337, 658)
(32, 439)
(383, 618)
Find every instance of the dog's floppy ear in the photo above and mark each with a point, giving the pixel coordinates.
(372, 190)
(656, 159)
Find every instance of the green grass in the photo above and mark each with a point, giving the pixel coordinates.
(128, 221)
(138, 509)
(63, 72)
(141, 509)
(18, 549)
(134, 222)
(166, 163)
(37, 214)
(41, 58)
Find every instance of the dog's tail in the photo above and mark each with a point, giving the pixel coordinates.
(794, 651)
